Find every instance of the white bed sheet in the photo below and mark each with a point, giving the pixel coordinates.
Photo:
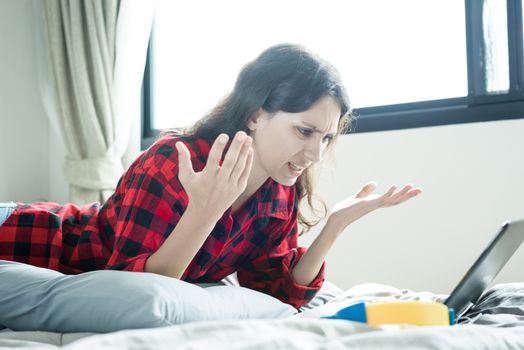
(295, 333)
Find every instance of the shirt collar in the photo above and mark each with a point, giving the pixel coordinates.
(276, 200)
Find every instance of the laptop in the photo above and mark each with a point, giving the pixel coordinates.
(485, 269)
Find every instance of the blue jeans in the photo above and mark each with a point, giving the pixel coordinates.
(6, 209)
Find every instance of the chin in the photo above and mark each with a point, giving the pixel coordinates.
(285, 181)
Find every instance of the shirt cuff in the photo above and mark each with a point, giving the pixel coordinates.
(299, 294)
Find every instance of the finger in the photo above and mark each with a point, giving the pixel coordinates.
(417, 191)
(367, 189)
(403, 191)
(399, 196)
(412, 192)
(215, 154)
(241, 161)
(232, 154)
(247, 168)
(388, 193)
(184, 161)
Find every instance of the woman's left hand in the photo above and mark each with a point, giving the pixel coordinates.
(364, 202)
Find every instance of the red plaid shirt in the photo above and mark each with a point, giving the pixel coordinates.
(258, 241)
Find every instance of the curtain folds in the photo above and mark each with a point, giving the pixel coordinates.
(87, 41)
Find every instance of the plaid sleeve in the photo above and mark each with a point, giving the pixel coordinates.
(148, 204)
(271, 272)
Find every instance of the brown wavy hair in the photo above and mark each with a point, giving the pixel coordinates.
(286, 78)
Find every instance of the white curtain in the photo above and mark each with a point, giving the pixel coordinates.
(96, 51)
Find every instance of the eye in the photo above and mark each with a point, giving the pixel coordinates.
(304, 131)
(328, 138)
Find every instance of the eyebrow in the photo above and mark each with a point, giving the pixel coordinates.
(315, 129)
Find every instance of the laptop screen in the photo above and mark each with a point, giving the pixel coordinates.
(485, 269)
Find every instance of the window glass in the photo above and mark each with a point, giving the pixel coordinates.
(494, 19)
(387, 52)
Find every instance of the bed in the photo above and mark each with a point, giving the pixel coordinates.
(495, 322)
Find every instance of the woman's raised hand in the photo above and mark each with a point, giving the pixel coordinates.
(364, 202)
(214, 189)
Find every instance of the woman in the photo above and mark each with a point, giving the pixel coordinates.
(222, 197)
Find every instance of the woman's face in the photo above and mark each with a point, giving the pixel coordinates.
(285, 144)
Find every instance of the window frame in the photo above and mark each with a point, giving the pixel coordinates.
(476, 107)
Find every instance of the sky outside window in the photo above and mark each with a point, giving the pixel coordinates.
(387, 52)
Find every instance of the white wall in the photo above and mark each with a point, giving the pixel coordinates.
(471, 174)
(473, 180)
(24, 130)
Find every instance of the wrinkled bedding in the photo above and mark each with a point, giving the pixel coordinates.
(495, 322)
(500, 306)
(296, 334)
(307, 334)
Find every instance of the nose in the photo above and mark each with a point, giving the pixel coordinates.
(313, 151)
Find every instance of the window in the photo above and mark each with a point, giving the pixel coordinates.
(406, 63)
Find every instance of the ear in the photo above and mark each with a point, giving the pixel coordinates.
(252, 122)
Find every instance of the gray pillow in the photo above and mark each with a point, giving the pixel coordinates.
(33, 298)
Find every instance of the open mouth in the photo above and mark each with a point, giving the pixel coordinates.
(295, 169)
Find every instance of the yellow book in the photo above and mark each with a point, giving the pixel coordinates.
(419, 313)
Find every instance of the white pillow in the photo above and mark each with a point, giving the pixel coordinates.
(33, 298)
